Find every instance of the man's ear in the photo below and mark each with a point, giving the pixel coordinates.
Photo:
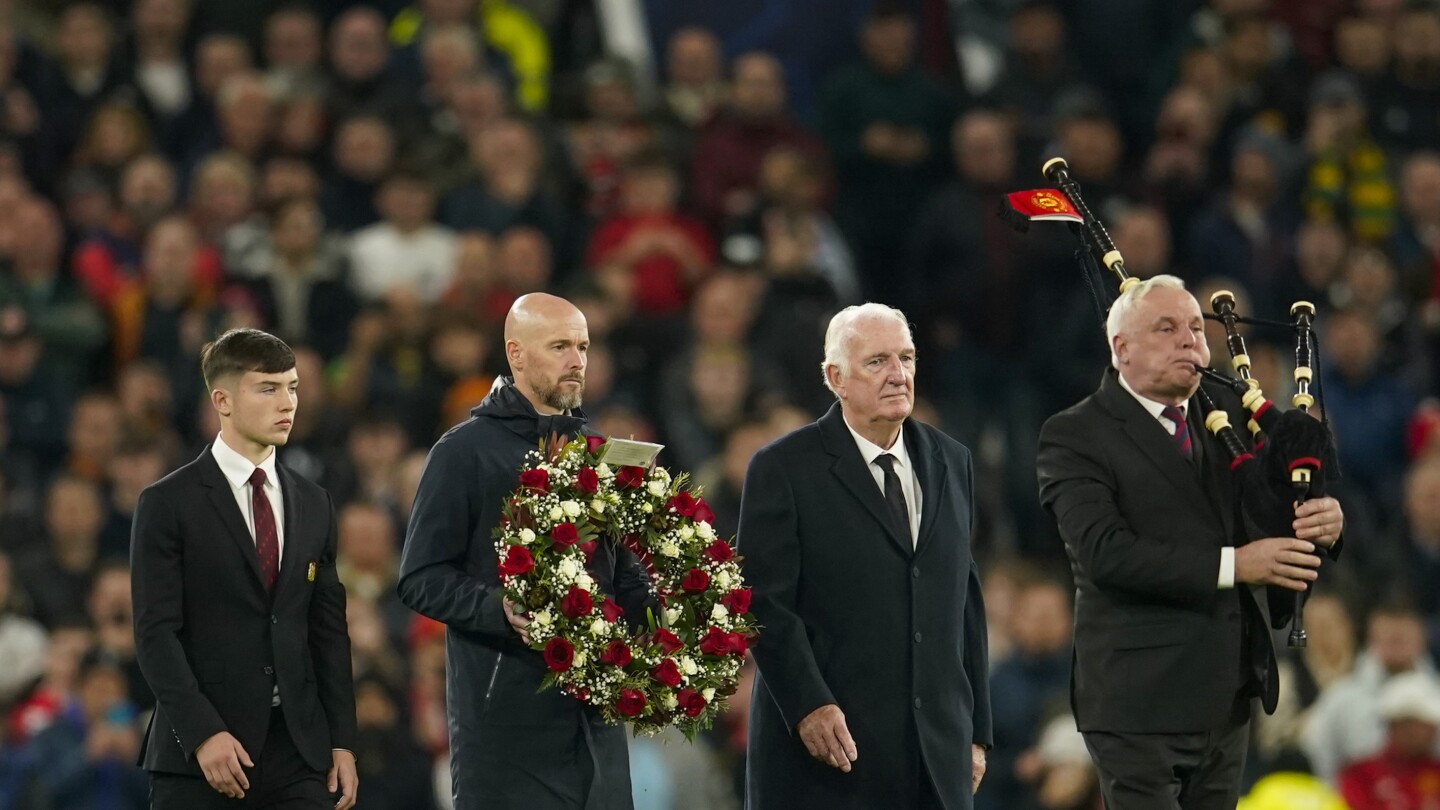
(1120, 348)
(220, 401)
(837, 380)
(515, 353)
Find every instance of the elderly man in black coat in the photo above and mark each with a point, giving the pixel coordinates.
(872, 688)
(511, 746)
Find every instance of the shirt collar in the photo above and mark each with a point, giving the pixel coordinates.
(237, 469)
(1151, 406)
(871, 451)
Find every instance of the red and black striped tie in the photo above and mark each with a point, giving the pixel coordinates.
(1182, 431)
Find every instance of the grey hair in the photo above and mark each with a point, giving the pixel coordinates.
(1124, 307)
(842, 329)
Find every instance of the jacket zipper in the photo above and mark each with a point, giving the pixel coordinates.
(489, 690)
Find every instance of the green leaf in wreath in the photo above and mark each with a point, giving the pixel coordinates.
(539, 597)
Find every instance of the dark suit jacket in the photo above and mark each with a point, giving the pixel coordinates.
(213, 644)
(1159, 647)
(851, 615)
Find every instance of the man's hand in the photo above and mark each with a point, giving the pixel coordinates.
(1284, 561)
(220, 758)
(1319, 521)
(977, 766)
(518, 620)
(342, 777)
(827, 739)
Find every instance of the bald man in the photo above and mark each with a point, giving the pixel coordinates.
(511, 746)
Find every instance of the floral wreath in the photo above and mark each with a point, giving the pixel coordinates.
(679, 672)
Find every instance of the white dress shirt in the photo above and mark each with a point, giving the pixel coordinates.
(904, 470)
(237, 469)
(1227, 553)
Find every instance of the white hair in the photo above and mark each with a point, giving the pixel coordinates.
(843, 328)
(1123, 309)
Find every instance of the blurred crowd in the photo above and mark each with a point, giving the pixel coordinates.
(377, 182)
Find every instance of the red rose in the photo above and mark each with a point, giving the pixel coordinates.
(695, 581)
(631, 702)
(684, 503)
(611, 611)
(594, 443)
(517, 561)
(716, 642)
(737, 601)
(564, 535)
(586, 480)
(630, 477)
(616, 654)
(737, 643)
(666, 673)
(703, 513)
(692, 702)
(589, 549)
(558, 654)
(668, 641)
(719, 551)
(576, 603)
(536, 480)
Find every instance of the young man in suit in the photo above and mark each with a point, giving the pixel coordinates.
(1170, 641)
(239, 617)
(872, 688)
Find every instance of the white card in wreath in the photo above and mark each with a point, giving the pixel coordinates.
(629, 453)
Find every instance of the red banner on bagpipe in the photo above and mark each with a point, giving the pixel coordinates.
(1043, 204)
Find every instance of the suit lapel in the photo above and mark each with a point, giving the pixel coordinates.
(1148, 435)
(291, 553)
(849, 467)
(223, 499)
(932, 473)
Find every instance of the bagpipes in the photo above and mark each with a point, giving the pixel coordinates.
(1286, 466)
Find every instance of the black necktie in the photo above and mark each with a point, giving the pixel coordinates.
(894, 495)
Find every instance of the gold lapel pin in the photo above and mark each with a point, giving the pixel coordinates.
(310, 573)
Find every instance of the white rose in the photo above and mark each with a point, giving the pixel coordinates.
(647, 508)
(672, 615)
(603, 470)
(527, 536)
(583, 580)
(556, 513)
(598, 505)
(579, 659)
(568, 569)
(571, 509)
(705, 531)
(599, 627)
(668, 549)
(719, 614)
(686, 532)
(661, 472)
(722, 580)
(688, 665)
(656, 488)
(542, 618)
(708, 693)
(671, 701)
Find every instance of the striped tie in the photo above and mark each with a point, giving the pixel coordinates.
(1182, 430)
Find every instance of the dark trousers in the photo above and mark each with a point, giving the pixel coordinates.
(280, 780)
(1199, 771)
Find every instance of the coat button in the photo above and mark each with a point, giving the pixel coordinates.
(917, 636)
(269, 670)
(274, 620)
(915, 572)
(917, 703)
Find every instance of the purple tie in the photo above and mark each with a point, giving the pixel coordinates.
(1182, 430)
(267, 539)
